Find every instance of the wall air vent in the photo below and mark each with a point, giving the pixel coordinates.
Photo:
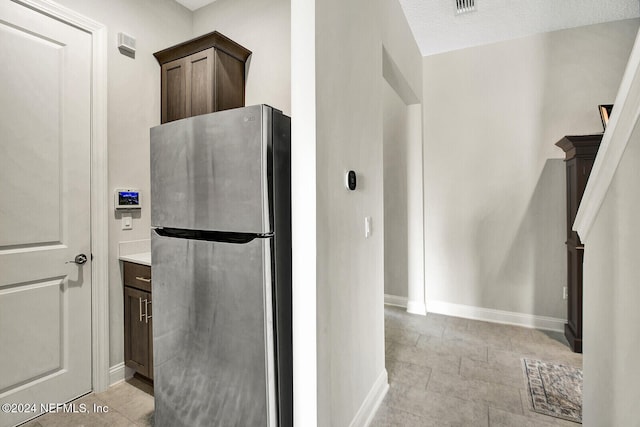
(465, 6)
(127, 45)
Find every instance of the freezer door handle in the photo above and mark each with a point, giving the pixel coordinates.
(212, 236)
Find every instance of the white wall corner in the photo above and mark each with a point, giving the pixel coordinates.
(395, 300)
(303, 212)
(417, 307)
(393, 75)
(625, 114)
(496, 316)
(372, 402)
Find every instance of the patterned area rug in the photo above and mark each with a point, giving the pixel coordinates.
(555, 390)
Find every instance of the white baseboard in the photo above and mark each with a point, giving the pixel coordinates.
(395, 300)
(119, 373)
(496, 316)
(372, 402)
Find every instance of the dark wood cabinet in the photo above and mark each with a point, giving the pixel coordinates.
(580, 154)
(138, 337)
(201, 76)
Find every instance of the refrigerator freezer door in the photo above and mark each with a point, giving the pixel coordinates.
(212, 172)
(212, 333)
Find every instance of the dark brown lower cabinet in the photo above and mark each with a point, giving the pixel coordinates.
(138, 320)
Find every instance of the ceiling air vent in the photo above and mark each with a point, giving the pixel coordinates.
(465, 6)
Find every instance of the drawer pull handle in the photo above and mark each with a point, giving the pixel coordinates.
(140, 307)
(146, 311)
(144, 279)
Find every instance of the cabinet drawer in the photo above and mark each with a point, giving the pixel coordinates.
(137, 276)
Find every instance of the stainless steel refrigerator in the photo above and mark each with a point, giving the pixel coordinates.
(221, 268)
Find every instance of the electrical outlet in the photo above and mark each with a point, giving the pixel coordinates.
(565, 293)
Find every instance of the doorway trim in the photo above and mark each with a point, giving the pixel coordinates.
(99, 185)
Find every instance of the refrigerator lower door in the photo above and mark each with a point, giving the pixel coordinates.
(213, 333)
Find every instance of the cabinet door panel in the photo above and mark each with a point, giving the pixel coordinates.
(583, 171)
(174, 90)
(572, 285)
(200, 82)
(136, 332)
(572, 196)
(573, 327)
(229, 82)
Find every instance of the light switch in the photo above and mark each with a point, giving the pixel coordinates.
(127, 222)
(367, 226)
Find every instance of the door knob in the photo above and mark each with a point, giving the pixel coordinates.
(79, 259)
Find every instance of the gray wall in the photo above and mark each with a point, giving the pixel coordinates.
(494, 184)
(133, 96)
(134, 93)
(395, 140)
(350, 268)
(611, 294)
(263, 27)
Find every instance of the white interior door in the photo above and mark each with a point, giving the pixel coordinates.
(45, 303)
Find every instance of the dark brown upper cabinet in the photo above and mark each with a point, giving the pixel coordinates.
(202, 75)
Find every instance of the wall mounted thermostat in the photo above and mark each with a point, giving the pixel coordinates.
(350, 180)
(126, 199)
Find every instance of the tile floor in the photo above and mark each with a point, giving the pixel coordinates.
(443, 371)
(448, 371)
(130, 404)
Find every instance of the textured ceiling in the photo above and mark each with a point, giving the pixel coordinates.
(437, 28)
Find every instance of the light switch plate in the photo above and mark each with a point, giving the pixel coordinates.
(127, 222)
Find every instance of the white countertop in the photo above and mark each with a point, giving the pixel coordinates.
(143, 258)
